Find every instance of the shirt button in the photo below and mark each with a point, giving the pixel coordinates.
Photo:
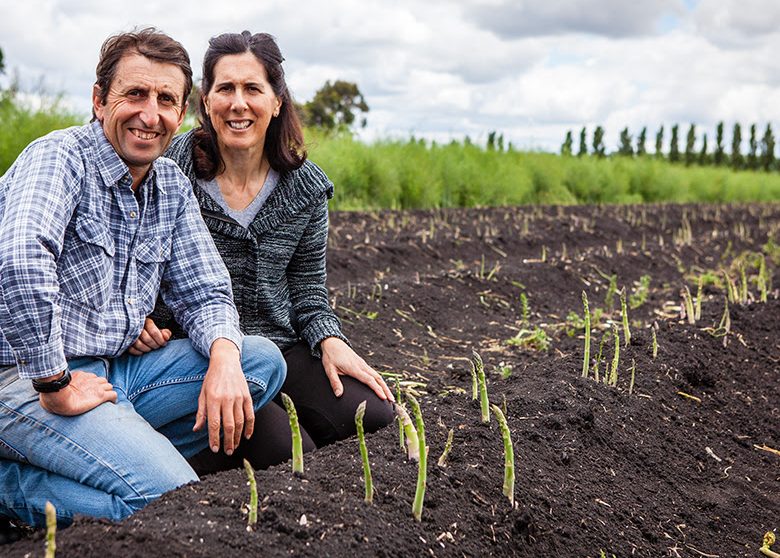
(133, 214)
(131, 301)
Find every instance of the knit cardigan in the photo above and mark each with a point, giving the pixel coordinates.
(277, 264)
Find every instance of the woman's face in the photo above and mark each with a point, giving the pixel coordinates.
(241, 102)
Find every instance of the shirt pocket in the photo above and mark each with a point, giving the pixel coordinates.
(86, 263)
(152, 254)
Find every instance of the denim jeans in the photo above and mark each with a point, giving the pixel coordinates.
(118, 457)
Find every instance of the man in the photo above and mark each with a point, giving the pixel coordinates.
(92, 226)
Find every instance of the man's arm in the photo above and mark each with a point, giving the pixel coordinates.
(40, 194)
(196, 285)
(197, 289)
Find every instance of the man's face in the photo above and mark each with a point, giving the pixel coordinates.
(143, 110)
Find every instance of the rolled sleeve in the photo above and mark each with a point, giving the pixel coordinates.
(40, 362)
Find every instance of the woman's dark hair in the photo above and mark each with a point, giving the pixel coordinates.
(284, 146)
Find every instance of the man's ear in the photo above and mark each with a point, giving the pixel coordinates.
(97, 104)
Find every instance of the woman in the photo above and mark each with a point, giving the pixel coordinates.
(266, 208)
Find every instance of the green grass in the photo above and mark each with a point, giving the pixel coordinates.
(20, 124)
(410, 174)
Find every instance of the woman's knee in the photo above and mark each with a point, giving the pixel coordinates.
(379, 413)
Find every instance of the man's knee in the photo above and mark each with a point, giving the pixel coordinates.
(264, 367)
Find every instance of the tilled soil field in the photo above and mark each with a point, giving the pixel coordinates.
(679, 461)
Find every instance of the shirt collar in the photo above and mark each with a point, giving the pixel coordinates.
(112, 168)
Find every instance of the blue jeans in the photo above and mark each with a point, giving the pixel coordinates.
(116, 458)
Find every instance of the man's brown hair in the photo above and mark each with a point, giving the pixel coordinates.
(149, 42)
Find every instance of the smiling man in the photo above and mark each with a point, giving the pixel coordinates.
(93, 225)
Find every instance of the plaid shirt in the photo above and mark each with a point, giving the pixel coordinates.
(82, 257)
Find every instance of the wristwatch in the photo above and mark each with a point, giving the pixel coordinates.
(52, 386)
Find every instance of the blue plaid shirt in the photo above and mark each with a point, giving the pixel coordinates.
(82, 257)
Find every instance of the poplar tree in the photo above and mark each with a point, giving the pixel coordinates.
(583, 143)
(567, 143)
(491, 141)
(640, 143)
(768, 149)
(659, 143)
(674, 147)
(704, 158)
(598, 142)
(690, 142)
(752, 158)
(720, 155)
(737, 160)
(625, 148)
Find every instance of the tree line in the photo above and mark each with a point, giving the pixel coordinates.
(760, 155)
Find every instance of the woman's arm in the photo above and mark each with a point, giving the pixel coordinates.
(319, 326)
(306, 280)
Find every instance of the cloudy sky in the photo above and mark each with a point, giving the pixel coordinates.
(443, 69)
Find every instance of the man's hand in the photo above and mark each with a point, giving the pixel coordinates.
(224, 398)
(85, 392)
(339, 359)
(151, 338)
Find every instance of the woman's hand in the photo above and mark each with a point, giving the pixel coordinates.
(339, 359)
(151, 338)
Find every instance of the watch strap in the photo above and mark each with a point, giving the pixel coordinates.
(54, 385)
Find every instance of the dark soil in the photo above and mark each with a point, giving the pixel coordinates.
(649, 471)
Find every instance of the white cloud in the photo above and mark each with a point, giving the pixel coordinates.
(738, 23)
(444, 69)
(611, 18)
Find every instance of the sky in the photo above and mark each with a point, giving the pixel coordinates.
(441, 70)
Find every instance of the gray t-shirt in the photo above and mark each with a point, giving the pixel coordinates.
(243, 216)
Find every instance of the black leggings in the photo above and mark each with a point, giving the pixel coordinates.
(324, 418)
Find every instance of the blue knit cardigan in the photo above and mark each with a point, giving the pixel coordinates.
(277, 265)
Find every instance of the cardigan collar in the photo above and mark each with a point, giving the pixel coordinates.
(296, 191)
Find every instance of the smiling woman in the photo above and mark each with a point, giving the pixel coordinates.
(267, 209)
